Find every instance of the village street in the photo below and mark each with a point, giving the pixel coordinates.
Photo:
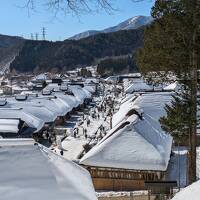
(85, 126)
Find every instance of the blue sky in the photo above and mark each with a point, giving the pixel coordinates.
(15, 20)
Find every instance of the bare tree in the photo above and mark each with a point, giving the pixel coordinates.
(76, 7)
(73, 6)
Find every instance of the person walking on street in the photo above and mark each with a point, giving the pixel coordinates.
(86, 134)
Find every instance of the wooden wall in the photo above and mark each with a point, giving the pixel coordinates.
(140, 197)
(117, 184)
(122, 180)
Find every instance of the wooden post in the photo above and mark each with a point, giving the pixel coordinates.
(131, 196)
(149, 195)
(179, 173)
(110, 121)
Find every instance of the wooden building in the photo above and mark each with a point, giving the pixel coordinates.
(113, 179)
(135, 150)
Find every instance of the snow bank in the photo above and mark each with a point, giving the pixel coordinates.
(198, 162)
(191, 192)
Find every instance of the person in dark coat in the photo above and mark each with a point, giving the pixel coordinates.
(75, 133)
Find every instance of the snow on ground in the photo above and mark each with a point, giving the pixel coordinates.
(191, 192)
(121, 194)
(73, 147)
(198, 162)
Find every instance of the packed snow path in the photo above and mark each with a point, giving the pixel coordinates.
(81, 133)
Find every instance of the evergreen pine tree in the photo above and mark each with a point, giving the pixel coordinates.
(171, 45)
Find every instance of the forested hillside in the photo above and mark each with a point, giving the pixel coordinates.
(38, 56)
(117, 65)
(9, 48)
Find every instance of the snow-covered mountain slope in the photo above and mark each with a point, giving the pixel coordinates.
(132, 23)
(84, 34)
(9, 48)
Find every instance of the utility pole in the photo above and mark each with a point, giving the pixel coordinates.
(43, 33)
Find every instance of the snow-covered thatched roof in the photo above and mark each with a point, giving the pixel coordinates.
(9, 125)
(69, 100)
(41, 77)
(38, 111)
(138, 85)
(33, 172)
(17, 113)
(57, 103)
(136, 140)
(90, 88)
(172, 87)
(80, 93)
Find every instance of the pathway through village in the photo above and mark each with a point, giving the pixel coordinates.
(86, 126)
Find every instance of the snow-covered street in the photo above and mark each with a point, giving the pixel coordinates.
(87, 126)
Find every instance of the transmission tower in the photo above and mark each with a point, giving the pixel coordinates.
(36, 36)
(43, 33)
(32, 37)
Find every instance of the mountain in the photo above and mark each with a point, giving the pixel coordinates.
(21, 55)
(84, 34)
(7, 41)
(41, 56)
(132, 23)
(9, 48)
